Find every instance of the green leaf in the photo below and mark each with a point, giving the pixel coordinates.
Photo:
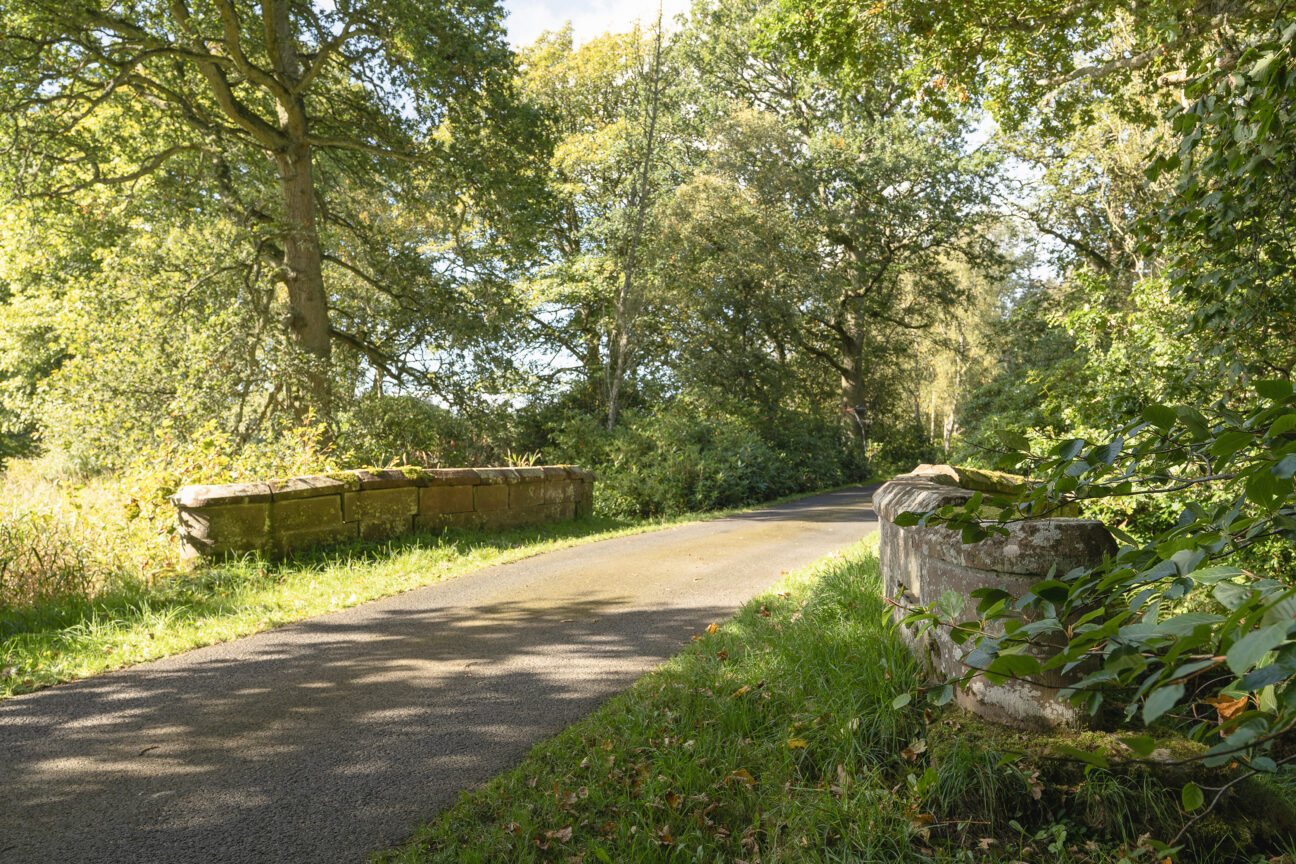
(1232, 595)
(1282, 425)
(1261, 66)
(1013, 440)
(1185, 624)
(1051, 590)
(1263, 488)
(1107, 453)
(1160, 416)
(1285, 468)
(1247, 651)
(951, 603)
(1193, 420)
(1274, 388)
(1071, 448)
(1264, 677)
(1212, 575)
(906, 519)
(942, 695)
(1229, 443)
(1161, 700)
(1191, 797)
(1096, 758)
(1014, 666)
(901, 701)
(1143, 745)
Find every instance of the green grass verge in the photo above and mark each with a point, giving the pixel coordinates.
(135, 621)
(774, 739)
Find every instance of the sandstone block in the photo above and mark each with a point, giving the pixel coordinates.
(585, 501)
(445, 499)
(303, 514)
(379, 505)
(384, 529)
(530, 475)
(287, 542)
(526, 495)
(487, 498)
(226, 530)
(438, 521)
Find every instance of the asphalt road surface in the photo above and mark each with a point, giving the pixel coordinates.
(327, 739)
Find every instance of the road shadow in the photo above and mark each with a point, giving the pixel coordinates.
(224, 760)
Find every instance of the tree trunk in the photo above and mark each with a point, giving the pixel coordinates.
(950, 423)
(628, 305)
(303, 264)
(857, 400)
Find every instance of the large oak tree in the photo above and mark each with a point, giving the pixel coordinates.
(257, 101)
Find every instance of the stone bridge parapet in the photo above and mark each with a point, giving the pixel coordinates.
(278, 517)
(921, 563)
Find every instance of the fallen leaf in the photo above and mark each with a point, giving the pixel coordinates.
(711, 628)
(742, 775)
(1036, 786)
(765, 613)
(512, 828)
(796, 743)
(746, 688)
(562, 835)
(1226, 707)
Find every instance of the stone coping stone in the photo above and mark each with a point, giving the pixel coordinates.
(315, 485)
(497, 476)
(452, 477)
(530, 475)
(224, 495)
(975, 479)
(917, 495)
(389, 478)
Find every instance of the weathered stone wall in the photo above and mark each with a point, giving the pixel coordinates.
(919, 564)
(278, 517)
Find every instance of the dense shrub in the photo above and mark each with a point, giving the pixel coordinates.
(407, 430)
(688, 457)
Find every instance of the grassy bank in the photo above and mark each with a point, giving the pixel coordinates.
(773, 739)
(135, 618)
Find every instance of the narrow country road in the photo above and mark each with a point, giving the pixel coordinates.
(330, 738)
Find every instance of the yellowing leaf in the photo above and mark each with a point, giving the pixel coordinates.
(796, 743)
